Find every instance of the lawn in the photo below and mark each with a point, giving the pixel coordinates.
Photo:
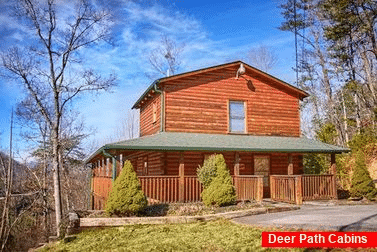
(220, 235)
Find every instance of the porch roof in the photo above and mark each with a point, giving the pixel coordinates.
(175, 141)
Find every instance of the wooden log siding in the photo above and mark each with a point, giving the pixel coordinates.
(318, 187)
(199, 104)
(248, 187)
(147, 126)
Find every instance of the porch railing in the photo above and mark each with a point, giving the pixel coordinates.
(169, 189)
(160, 189)
(193, 189)
(318, 187)
(284, 188)
(248, 187)
(297, 188)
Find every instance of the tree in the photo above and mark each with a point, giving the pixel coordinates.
(126, 197)
(361, 183)
(128, 126)
(220, 191)
(164, 59)
(262, 58)
(48, 69)
(207, 172)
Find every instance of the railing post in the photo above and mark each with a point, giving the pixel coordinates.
(298, 187)
(237, 173)
(333, 172)
(181, 196)
(259, 196)
(272, 187)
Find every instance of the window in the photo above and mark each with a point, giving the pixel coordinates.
(237, 116)
(154, 112)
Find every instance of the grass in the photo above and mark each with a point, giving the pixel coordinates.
(220, 235)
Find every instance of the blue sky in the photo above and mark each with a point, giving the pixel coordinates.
(212, 32)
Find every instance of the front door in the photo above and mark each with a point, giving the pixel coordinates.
(262, 167)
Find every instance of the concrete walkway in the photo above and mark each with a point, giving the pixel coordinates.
(311, 217)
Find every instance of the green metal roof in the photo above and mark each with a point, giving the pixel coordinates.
(174, 141)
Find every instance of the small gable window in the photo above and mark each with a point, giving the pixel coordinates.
(237, 116)
(154, 112)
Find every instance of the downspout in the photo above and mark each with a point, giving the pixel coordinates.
(113, 161)
(162, 106)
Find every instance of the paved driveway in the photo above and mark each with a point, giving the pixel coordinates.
(331, 218)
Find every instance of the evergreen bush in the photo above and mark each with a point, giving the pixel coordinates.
(361, 183)
(220, 191)
(126, 196)
(207, 172)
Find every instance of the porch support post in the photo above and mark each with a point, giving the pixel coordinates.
(181, 196)
(333, 164)
(237, 164)
(236, 172)
(290, 164)
(333, 172)
(298, 187)
(114, 173)
(259, 197)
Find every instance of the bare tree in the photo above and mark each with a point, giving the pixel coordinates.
(263, 58)
(5, 223)
(165, 58)
(49, 71)
(128, 126)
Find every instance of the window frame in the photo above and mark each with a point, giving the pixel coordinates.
(244, 117)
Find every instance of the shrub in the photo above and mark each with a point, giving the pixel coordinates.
(220, 191)
(207, 172)
(126, 196)
(361, 183)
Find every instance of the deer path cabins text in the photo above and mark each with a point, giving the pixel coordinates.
(250, 117)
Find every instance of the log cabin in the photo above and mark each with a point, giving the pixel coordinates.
(249, 116)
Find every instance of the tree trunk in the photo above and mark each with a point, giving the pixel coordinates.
(55, 165)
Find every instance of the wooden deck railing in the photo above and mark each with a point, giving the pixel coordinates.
(318, 187)
(296, 188)
(286, 188)
(167, 189)
(248, 187)
(101, 187)
(160, 189)
(193, 189)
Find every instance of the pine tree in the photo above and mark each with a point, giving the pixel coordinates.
(221, 191)
(126, 197)
(361, 183)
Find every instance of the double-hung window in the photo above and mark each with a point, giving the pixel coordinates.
(236, 116)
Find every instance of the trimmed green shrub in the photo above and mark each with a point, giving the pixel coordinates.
(220, 191)
(361, 183)
(126, 196)
(207, 172)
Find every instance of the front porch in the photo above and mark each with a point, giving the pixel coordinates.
(183, 187)
(261, 167)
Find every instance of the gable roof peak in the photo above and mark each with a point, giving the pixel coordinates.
(154, 85)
